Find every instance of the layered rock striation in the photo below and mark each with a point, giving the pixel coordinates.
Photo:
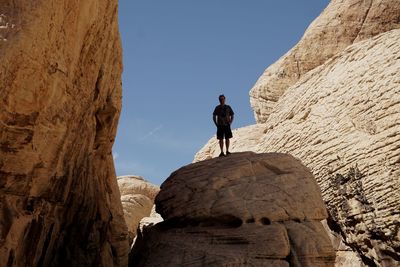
(246, 210)
(137, 197)
(344, 126)
(341, 24)
(60, 91)
(342, 119)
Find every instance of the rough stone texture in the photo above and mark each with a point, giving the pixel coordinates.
(244, 139)
(60, 93)
(137, 197)
(349, 111)
(248, 210)
(343, 120)
(341, 24)
(345, 255)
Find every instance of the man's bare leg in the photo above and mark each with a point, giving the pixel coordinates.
(227, 146)
(221, 145)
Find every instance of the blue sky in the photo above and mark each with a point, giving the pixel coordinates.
(178, 56)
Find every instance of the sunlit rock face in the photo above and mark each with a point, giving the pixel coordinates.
(344, 126)
(342, 120)
(137, 197)
(341, 24)
(245, 210)
(60, 91)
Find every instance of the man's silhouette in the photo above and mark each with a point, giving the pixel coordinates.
(223, 117)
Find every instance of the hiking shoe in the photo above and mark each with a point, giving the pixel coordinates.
(228, 153)
(222, 154)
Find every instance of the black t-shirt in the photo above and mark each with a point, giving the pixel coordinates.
(224, 114)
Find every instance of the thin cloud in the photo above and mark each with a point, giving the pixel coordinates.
(152, 132)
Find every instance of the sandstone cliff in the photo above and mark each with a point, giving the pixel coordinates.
(341, 24)
(342, 119)
(60, 92)
(248, 210)
(137, 197)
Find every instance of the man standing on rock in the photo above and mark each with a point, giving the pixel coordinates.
(223, 118)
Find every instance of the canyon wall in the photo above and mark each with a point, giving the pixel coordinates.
(341, 24)
(60, 91)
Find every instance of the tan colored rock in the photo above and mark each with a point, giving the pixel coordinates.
(137, 197)
(245, 210)
(60, 91)
(342, 120)
(345, 255)
(341, 24)
(344, 126)
(243, 140)
(137, 185)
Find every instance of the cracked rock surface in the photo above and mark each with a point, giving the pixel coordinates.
(60, 93)
(243, 210)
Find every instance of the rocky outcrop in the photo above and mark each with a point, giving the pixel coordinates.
(342, 120)
(137, 197)
(246, 210)
(60, 91)
(341, 24)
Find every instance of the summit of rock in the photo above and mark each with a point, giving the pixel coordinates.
(239, 186)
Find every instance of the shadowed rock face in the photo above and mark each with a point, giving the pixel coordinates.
(244, 210)
(60, 92)
(342, 120)
(341, 24)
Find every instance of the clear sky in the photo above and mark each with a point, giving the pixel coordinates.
(179, 55)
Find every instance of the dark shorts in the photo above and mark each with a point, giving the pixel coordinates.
(224, 131)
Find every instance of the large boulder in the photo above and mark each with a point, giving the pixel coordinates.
(246, 210)
(60, 91)
(341, 24)
(342, 120)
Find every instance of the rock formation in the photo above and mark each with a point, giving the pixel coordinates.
(342, 120)
(248, 210)
(137, 197)
(60, 91)
(349, 110)
(341, 24)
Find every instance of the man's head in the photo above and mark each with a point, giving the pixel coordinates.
(221, 99)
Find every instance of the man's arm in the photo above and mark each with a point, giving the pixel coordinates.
(232, 114)
(215, 119)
